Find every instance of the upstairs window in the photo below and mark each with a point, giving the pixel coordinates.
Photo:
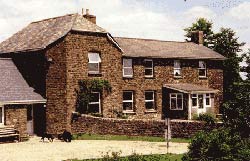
(202, 69)
(177, 68)
(149, 68)
(128, 100)
(150, 100)
(94, 63)
(95, 103)
(176, 101)
(127, 68)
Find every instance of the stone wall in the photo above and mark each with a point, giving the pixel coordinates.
(95, 125)
(69, 64)
(16, 115)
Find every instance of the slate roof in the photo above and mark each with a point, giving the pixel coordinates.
(190, 88)
(38, 35)
(13, 87)
(134, 47)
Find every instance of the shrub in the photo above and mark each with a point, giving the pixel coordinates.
(220, 144)
(206, 117)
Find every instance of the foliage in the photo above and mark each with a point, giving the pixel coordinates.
(96, 114)
(221, 145)
(86, 87)
(236, 112)
(246, 57)
(120, 114)
(117, 137)
(137, 157)
(127, 138)
(204, 25)
(206, 117)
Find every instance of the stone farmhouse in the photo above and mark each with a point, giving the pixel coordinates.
(41, 65)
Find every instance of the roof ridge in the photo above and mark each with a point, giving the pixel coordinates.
(152, 39)
(51, 18)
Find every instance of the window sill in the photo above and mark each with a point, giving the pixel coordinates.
(128, 77)
(95, 74)
(178, 77)
(176, 109)
(151, 111)
(149, 77)
(128, 112)
(202, 77)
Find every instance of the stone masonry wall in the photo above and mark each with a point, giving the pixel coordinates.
(70, 64)
(16, 115)
(179, 128)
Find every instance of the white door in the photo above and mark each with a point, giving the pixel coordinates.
(30, 124)
(1, 115)
(201, 107)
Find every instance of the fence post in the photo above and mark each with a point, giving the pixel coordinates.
(167, 131)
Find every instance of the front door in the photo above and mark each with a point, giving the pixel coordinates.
(1, 115)
(30, 123)
(201, 107)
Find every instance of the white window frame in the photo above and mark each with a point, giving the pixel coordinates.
(174, 95)
(2, 117)
(130, 101)
(99, 101)
(177, 68)
(94, 62)
(153, 100)
(207, 95)
(196, 98)
(150, 68)
(202, 68)
(204, 100)
(123, 67)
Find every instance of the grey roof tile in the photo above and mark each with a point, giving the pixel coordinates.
(13, 87)
(134, 47)
(190, 88)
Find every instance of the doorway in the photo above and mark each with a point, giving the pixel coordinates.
(30, 120)
(201, 107)
(1, 115)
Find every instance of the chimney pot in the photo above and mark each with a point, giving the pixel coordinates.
(89, 17)
(87, 11)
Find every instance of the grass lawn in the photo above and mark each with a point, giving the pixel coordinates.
(127, 138)
(153, 157)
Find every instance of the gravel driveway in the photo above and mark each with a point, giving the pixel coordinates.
(35, 150)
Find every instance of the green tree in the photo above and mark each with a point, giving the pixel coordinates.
(246, 57)
(204, 25)
(226, 43)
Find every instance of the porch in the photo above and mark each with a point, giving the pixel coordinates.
(184, 100)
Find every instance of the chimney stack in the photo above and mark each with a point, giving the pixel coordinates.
(197, 37)
(91, 18)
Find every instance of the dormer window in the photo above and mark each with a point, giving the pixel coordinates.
(202, 69)
(94, 63)
(127, 68)
(149, 68)
(177, 68)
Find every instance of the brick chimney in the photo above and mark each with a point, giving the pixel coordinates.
(197, 37)
(89, 17)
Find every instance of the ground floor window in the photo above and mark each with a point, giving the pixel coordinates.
(95, 103)
(201, 100)
(128, 104)
(176, 101)
(150, 100)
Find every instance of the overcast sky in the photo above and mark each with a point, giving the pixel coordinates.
(157, 19)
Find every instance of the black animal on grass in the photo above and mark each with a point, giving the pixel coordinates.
(48, 136)
(66, 136)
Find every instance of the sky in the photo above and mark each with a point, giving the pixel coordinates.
(154, 19)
